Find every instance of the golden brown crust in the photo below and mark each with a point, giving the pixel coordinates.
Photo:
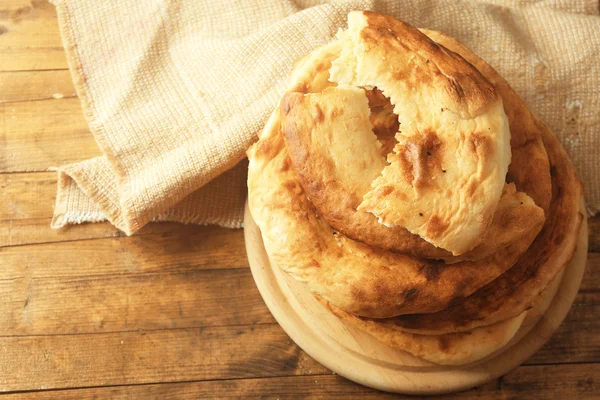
(529, 166)
(510, 294)
(465, 89)
(357, 278)
(313, 160)
(446, 349)
(453, 137)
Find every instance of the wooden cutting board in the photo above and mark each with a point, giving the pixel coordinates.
(359, 357)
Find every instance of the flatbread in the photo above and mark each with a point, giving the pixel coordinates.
(528, 169)
(448, 349)
(447, 171)
(456, 348)
(334, 150)
(510, 294)
(356, 278)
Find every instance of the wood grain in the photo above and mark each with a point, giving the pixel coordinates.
(123, 303)
(19, 232)
(179, 251)
(103, 285)
(41, 134)
(36, 85)
(26, 211)
(27, 196)
(578, 381)
(29, 38)
(84, 306)
(64, 361)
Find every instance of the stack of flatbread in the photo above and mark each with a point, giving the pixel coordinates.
(406, 184)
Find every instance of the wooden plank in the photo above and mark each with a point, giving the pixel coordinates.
(150, 356)
(180, 251)
(26, 211)
(41, 134)
(19, 232)
(580, 381)
(35, 85)
(195, 298)
(27, 196)
(196, 276)
(45, 297)
(569, 381)
(29, 36)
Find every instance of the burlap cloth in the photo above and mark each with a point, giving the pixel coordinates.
(175, 91)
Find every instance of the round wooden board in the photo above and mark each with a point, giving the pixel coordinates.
(359, 357)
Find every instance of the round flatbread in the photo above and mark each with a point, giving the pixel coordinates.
(332, 140)
(356, 278)
(336, 185)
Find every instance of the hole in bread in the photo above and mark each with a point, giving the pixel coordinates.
(384, 120)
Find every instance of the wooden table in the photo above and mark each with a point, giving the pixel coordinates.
(172, 311)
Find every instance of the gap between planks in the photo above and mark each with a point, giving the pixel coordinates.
(35, 70)
(154, 384)
(540, 382)
(38, 100)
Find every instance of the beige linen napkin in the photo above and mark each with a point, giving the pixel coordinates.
(175, 91)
